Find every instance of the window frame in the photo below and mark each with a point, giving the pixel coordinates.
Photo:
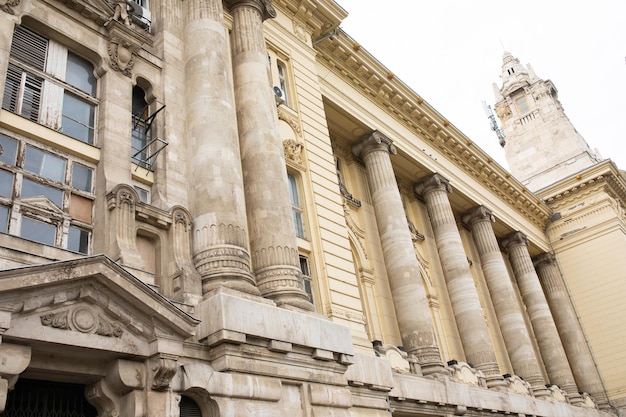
(51, 96)
(297, 209)
(64, 215)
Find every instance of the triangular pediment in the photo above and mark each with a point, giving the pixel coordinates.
(100, 11)
(42, 205)
(92, 302)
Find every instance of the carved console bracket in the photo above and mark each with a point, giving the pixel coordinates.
(119, 393)
(164, 368)
(14, 359)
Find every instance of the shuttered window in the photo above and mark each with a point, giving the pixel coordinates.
(189, 408)
(49, 85)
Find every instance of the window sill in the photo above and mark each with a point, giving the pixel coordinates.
(141, 174)
(49, 137)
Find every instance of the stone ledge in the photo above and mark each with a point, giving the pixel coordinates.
(224, 313)
(410, 389)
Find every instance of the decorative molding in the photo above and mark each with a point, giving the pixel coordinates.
(7, 5)
(350, 315)
(373, 142)
(122, 55)
(317, 18)
(358, 232)
(163, 368)
(362, 70)
(287, 117)
(434, 182)
(293, 151)
(82, 319)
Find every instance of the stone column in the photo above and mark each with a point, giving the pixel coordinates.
(7, 26)
(217, 202)
(405, 281)
(510, 318)
(463, 294)
(580, 359)
(273, 241)
(550, 346)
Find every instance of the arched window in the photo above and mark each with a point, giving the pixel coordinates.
(189, 408)
(140, 132)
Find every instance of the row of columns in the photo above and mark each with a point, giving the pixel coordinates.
(240, 180)
(239, 193)
(412, 308)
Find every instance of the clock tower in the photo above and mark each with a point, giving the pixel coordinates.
(542, 146)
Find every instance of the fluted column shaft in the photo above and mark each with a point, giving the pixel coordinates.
(407, 290)
(273, 241)
(510, 318)
(576, 348)
(463, 294)
(220, 244)
(550, 346)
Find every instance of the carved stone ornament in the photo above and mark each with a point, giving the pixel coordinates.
(7, 5)
(164, 369)
(122, 55)
(293, 151)
(82, 319)
(264, 6)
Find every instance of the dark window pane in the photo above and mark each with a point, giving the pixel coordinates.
(79, 73)
(4, 219)
(31, 188)
(44, 163)
(78, 117)
(293, 190)
(81, 177)
(8, 150)
(78, 240)
(22, 93)
(6, 184)
(38, 231)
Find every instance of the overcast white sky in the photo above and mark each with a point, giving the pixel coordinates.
(450, 52)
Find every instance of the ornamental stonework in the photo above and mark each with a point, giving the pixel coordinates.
(82, 319)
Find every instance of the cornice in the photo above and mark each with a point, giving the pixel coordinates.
(605, 175)
(348, 60)
(320, 17)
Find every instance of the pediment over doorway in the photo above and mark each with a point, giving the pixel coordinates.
(91, 303)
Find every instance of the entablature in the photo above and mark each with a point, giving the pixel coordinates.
(344, 57)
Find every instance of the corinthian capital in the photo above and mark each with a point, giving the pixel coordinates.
(263, 6)
(514, 239)
(433, 182)
(375, 141)
(478, 214)
(545, 259)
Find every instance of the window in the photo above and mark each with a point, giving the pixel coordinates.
(45, 197)
(145, 145)
(296, 208)
(522, 105)
(139, 135)
(49, 85)
(140, 13)
(306, 275)
(279, 76)
(144, 195)
(188, 407)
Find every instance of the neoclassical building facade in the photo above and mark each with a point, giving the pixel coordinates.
(227, 208)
